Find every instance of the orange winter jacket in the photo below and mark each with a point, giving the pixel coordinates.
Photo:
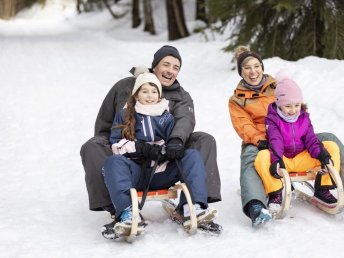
(248, 109)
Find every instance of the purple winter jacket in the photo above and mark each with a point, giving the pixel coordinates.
(289, 139)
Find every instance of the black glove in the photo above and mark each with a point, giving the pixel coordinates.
(175, 149)
(325, 158)
(148, 151)
(162, 156)
(273, 168)
(263, 145)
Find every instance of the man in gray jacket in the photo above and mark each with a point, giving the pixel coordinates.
(166, 66)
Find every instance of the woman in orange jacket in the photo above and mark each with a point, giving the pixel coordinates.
(248, 107)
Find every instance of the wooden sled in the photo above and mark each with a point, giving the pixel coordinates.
(163, 195)
(290, 179)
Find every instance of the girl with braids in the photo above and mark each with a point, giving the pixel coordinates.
(138, 137)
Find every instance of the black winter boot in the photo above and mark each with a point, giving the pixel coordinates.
(322, 193)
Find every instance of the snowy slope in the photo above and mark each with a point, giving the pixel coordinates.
(56, 67)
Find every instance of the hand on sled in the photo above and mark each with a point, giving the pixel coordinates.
(274, 168)
(325, 159)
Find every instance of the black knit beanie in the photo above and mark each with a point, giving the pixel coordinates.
(166, 51)
(246, 54)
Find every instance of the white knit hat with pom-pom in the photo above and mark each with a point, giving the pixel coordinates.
(287, 91)
(143, 76)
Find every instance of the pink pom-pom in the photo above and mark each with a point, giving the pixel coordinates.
(282, 74)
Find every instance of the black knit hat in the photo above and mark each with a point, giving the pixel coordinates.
(166, 51)
(246, 54)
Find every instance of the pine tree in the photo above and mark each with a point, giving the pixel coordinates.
(291, 29)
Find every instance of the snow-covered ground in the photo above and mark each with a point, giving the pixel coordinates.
(55, 69)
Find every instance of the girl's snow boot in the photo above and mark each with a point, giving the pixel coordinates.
(275, 201)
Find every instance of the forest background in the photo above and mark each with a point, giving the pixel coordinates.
(290, 29)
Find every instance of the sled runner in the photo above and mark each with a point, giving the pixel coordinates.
(164, 196)
(207, 225)
(305, 190)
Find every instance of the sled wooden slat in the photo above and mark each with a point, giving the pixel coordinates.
(303, 176)
(170, 193)
(300, 177)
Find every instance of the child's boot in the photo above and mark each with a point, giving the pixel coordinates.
(123, 227)
(322, 194)
(275, 201)
(325, 197)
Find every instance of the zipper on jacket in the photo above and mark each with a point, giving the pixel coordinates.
(292, 127)
(150, 128)
(143, 126)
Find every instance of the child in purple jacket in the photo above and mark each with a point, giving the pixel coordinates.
(293, 146)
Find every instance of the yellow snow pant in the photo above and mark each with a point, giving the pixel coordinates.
(300, 163)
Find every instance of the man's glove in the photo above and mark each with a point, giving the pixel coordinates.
(263, 145)
(175, 149)
(148, 151)
(274, 168)
(325, 158)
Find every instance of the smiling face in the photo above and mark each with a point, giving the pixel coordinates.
(252, 71)
(147, 94)
(167, 70)
(291, 109)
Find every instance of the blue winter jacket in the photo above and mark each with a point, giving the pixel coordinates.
(289, 139)
(148, 128)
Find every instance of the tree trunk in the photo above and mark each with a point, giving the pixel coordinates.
(319, 32)
(136, 20)
(7, 9)
(201, 13)
(78, 6)
(176, 20)
(149, 21)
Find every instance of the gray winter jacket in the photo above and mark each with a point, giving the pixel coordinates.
(180, 104)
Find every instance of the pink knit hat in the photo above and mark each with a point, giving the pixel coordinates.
(287, 91)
